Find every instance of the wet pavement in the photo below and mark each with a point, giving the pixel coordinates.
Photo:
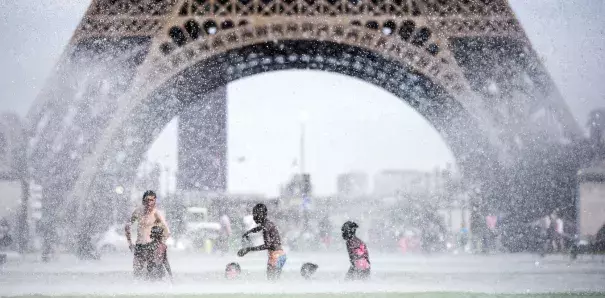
(199, 273)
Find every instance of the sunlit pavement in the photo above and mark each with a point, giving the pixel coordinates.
(199, 273)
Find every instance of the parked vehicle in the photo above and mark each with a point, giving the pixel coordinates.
(197, 219)
(112, 240)
(199, 229)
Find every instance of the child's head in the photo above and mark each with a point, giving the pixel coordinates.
(307, 270)
(156, 233)
(232, 271)
(348, 230)
(259, 213)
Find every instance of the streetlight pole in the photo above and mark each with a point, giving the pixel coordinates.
(302, 149)
(303, 121)
(302, 180)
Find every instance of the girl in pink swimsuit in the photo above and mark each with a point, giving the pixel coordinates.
(359, 255)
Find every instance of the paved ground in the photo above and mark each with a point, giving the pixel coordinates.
(202, 274)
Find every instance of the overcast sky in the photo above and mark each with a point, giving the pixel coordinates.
(351, 125)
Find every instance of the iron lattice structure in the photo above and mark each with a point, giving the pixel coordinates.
(465, 65)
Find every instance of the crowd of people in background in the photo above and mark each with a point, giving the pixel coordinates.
(5, 239)
(553, 233)
(488, 233)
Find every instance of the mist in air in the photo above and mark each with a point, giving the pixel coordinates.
(302, 148)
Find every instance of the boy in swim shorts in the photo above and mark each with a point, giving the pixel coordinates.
(276, 255)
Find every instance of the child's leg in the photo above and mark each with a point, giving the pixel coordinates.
(356, 274)
(277, 260)
(271, 272)
(281, 261)
(350, 272)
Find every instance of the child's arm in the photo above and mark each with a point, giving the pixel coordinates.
(253, 230)
(242, 252)
(263, 246)
(272, 236)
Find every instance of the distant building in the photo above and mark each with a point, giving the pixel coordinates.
(591, 199)
(295, 189)
(410, 182)
(394, 182)
(298, 185)
(10, 201)
(352, 184)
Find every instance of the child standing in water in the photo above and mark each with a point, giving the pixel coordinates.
(158, 262)
(358, 253)
(276, 255)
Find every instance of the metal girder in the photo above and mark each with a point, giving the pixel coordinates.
(407, 47)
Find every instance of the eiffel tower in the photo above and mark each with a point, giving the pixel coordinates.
(133, 65)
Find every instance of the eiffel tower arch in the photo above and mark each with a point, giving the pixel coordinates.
(132, 66)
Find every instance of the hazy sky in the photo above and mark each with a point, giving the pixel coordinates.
(352, 125)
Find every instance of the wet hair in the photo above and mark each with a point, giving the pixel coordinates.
(260, 208)
(348, 229)
(149, 193)
(232, 270)
(308, 269)
(259, 213)
(157, 232)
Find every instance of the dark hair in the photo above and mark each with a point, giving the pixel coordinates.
(348, 229)
(349, 226)
(235, 266)
(260, 207)
(308, 269)
(149, 193)
(232, 266)
(157, 232)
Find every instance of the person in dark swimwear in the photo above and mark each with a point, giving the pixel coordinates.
(358, 253)
(147, 216)
(276, 255)
(158, 264)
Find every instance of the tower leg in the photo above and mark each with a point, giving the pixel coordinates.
(202, 143)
